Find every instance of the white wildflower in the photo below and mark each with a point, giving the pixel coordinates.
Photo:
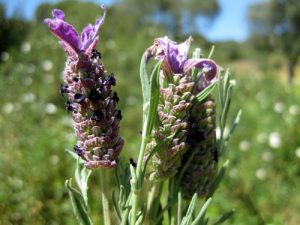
(298, 152)
(294, 110)
(25, 47)
(8, 107)
(244, 145)
(279, 107)
(47, 65)
(28, 97)
(275, 140)
(261, 173)
(4, 56)
(50, 108)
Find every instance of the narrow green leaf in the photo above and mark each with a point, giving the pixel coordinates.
(200, 217)
(211, 52)
(227, 101)
(225, 217)
(186, 220)
(133, 179)
(220, 89)
(140, 220)
(203, 94)
(191, 207)
(78, 203)
(116, 205)
(160, 216)
(218, 179)
(206, 221)
(144, 79)
(81, 176)
(154, 96)
(179, 209)
(196, 55)
(234, 125)
(226, 81)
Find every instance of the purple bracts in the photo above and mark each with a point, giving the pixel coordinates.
(176, 61)
(90, 99)
(67, 33)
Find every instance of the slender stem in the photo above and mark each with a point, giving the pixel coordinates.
(152, 205)
(138, 184)
(141, 157)
(179, 209)
(104, 194)
(125, 217)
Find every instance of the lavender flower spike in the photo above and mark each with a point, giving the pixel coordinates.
(90, 99)
(179, 87)
(67, 33)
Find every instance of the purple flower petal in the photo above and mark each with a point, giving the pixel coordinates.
(177, 55)
(68, 34)
(62, 29)
(58, 14)
(209, 71)
(174, 55)
(89, 33)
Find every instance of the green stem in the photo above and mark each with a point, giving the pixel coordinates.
(125, 217)
(104, 194)
(138, 184)
(152, 210)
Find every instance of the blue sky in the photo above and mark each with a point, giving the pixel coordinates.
(231, 24)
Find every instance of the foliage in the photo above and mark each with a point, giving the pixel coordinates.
(178, 16)
(278, 21)
(12, 30)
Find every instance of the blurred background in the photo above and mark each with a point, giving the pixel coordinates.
(258, 40)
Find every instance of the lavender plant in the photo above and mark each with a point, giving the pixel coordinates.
(179, 147)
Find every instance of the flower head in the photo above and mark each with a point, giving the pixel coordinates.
(91, 100)
(176, 61)
(68, 34)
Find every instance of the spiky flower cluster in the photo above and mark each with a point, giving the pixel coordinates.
(200, 162)
(178, 90)
(90, 99)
